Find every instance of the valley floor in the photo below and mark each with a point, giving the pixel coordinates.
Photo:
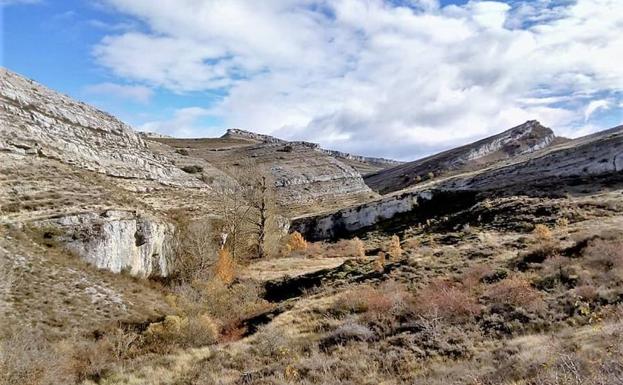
(513, 290)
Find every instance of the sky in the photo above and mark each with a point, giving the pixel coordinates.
(393, 78)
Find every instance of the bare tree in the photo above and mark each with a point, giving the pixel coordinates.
(247, 212)
(260, 195)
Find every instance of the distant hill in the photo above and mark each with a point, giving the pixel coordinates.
(522, 139)
(363, 164)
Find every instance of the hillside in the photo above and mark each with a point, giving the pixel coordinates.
(525, 138)
(363, 164)
(306, 180)
(131, 258)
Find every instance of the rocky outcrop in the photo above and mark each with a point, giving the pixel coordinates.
(349, 220)
(40, 122)
(117, 241)
(380, 162)
(523, 139)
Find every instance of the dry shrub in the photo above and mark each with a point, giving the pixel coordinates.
(388, 299)
(296, 242)
(586, 292)
(393, 248)
(379, 262)
(27, 358)
(412, 244)
(195, 330)
(562, 222)
(517, 292)
(358, 248)
(345, 248)
(96, 359)
(227, 304)
(225, 268)
(472, 278)
(447, 300)
(542, 233)
(605, 254)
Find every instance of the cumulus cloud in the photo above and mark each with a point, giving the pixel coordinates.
(135, 93)
(399, 78)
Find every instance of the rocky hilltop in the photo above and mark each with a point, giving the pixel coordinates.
(363, 164)
(525, 138)
(38, 121)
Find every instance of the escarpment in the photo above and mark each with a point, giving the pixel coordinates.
(37, 121)
(523, 139)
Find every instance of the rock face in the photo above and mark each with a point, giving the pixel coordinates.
(526, 138)
(346, 221)
(39, 121)
(118, 241)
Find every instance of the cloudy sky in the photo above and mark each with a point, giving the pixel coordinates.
(394, 78)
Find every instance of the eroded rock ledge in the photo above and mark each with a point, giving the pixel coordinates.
(117, 241)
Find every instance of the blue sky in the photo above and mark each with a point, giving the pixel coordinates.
(399, 78)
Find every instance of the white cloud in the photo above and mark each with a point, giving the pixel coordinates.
(372, 77)
(183, 123)
(595, 106)
(135, 93)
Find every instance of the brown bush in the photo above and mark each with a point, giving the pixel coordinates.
(412, 244)
(174, 331)
(447, 300)
(27, 358)
(358, 248)
(393, 248)
(385, 301)
(226, 304)
(515, 291)
(472, 278)
(542, 233)
(296, 242)
(345, 248)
